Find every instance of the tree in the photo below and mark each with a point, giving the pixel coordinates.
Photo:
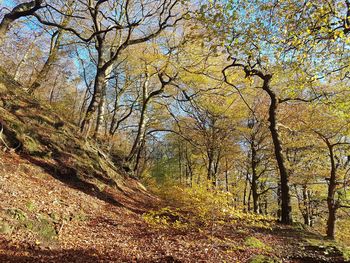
(21, 10)
(56, 40)
(333, 139)
(114, 27)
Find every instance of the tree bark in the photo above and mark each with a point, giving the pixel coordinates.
(286, 209)
(331, 203)
(95, 101)
(254, 187)
(142, 122)
(56, 40)
(102, 106)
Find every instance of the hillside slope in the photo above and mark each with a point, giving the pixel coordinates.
(63, 200)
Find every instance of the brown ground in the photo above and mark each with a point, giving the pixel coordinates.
(106, 225)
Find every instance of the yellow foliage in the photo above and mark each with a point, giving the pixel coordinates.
(205, 206)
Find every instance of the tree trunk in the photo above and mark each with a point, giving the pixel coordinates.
(142, 122)
(226, 176)
(286, 209)
(101, 111)
(332, 211)
(102, 106)
(52, 58)
(23, 61)
(95, 101)
(331, 203)
(138, 156)
(245, 191)
(254, 179)
(52, 91)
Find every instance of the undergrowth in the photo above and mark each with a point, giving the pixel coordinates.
(200, 205)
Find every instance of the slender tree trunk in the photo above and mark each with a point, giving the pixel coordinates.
(245, 190)
(331, 202)
(226, 176)
(286, 209)
(249, 198)
(52, 91)
(138, 156)
(210, 176)
(83, 105)
(180, 161)
(142, 122)
(254, 187)
(53, 57)
(306, 208)
(23, 61)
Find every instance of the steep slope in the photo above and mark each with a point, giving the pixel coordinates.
(50, 176)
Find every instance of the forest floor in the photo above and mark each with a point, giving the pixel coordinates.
(62, 199)
(42, 219)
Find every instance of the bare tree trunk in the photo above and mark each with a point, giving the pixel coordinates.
(52, 91)
(95, 101)
(138, 156)
(249, 198)
(101, 112)
(286, 209)
(245, 191)
(180, 162)
(226, 176)
(142, 122)
(23, 61)
(331, 202)
(56, 40)
(254, 182)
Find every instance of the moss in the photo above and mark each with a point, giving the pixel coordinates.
(17, 214)
(30, 206)
(263, 259)
(253, 242)
(43, 226)
(5, 228)
(31, 145)
(81, 217)
(46, 229)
